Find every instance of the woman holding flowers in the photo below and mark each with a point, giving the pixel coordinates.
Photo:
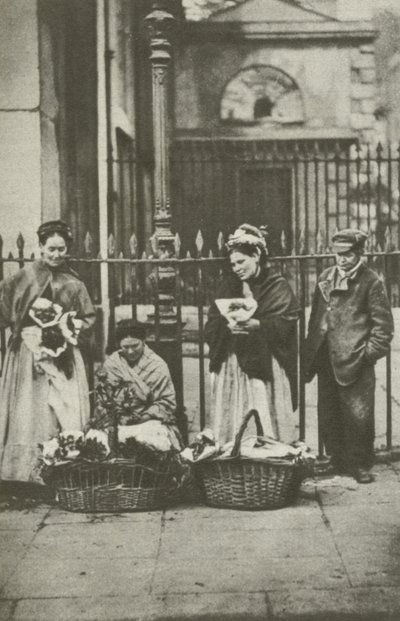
(43, 386)
(252, 335)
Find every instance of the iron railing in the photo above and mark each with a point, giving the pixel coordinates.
(133, 291)
(302, 190)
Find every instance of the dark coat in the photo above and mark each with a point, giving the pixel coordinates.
(277, 312)
(357, 322)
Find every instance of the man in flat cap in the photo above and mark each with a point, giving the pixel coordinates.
(350, 328)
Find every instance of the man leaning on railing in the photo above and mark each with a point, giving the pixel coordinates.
(350, 328)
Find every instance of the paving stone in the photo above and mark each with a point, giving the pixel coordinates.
(246, 575)
(6, 610)
(210, 606)
(9, 561)
(58, 516)
(65, 577)
(297, 517)
(335, 604)
(381, 545)
(346, 491)
(377, 571)
(81, 609)
(23, 520)
(364, 519)
(99, 540)
(238, 542)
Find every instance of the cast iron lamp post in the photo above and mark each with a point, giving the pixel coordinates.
(160, 24)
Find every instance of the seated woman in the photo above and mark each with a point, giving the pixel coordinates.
(151, 393)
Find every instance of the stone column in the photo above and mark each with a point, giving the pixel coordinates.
(160, 24)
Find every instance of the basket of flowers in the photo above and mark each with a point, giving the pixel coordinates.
(259, 474)
(112, 467)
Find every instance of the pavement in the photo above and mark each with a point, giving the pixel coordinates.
(334, 555)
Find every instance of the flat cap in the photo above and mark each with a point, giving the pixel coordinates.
(348, 239)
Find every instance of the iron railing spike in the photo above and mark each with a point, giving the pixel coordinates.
(144, 255)
(20, 241)
(210, 254)
(177, 245)
(199, 242)
(133, 245)
(10, 255)
(188, 255)
(32, 256)
(88, 243)
(111, 245)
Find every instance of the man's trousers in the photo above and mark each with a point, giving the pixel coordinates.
(346, 415)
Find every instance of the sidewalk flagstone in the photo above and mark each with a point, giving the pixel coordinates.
(333, 556)
(239, 543)
(247, 575)
(336, 604)
(106, 540)
(232, 606)
(98, 608)
(23, 520)
(58, 516)
(66, 577)
(364, 519)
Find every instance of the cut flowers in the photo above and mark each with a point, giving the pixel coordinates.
(106, 440)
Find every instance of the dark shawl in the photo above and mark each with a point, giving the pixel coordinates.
(277, 312)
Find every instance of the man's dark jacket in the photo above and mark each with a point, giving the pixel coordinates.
(357, 322)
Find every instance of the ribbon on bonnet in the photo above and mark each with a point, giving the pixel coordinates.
(248, 234)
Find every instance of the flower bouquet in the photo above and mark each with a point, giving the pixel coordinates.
(53, 330)
(112, 467)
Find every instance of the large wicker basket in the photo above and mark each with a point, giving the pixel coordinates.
(236, 482)
(114, 486)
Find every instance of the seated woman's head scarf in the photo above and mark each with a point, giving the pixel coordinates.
(54, 227)
(249, 240)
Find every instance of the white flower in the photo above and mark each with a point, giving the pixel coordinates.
(70, 327)
(49, 450)
(151, 433)
(72, 433)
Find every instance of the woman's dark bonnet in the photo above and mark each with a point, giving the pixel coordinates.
(54, 227)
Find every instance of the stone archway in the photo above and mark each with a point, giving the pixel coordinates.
(262, 94)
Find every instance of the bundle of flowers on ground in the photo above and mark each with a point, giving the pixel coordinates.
(205, 446)
(52, 330)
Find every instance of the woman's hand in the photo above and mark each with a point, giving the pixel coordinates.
(245, 327)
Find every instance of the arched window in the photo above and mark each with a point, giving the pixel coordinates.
(261, 93)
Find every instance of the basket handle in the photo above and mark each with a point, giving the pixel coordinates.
(260, 432)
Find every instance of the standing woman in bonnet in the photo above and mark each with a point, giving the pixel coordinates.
(38, 397)
(253, 360)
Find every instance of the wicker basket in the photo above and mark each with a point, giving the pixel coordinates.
(115, 486)
(237, 482)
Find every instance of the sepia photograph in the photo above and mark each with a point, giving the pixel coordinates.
(199, 310)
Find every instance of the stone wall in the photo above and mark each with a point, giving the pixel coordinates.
(336, 80)
(363, 91)
(20, 177)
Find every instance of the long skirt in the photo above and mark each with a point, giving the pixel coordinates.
(233, 394)
(35, 404)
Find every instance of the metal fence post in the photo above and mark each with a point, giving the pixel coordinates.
(160, 24)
